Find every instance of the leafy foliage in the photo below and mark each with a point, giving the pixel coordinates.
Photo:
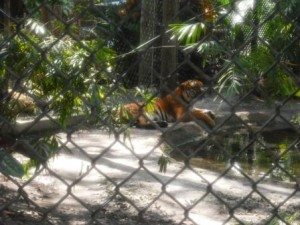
(65, 5)
(189, 33)
(9, 165)
(62, 76)
(53, 64)
(165, 159)
(246, 55)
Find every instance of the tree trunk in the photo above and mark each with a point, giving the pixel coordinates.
(6, 17)
(147, 33)
(45, 16)
(4, 81)
(255, 27)
(168, 78)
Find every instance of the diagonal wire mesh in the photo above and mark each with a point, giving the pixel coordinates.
(70, 155)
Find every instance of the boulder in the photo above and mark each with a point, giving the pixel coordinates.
(184, 138)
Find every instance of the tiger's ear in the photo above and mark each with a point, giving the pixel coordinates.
(181, 86)
(193, 83)
(204, 89)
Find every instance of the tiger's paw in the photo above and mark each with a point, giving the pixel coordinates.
(210, 120)
(162, 124)
(210, 113)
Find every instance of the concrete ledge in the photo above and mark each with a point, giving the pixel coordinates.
(257, 119)
(36, 125)
(254, 115)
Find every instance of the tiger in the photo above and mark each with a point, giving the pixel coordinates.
(170, 108)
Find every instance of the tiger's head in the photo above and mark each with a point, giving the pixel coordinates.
(190, 89)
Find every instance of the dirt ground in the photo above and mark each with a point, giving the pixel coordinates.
(108, 180)
(125, 183)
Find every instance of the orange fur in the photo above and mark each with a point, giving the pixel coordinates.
(173, 107)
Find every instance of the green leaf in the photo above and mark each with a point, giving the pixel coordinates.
(163, 162)
(9, 165)
(189, 33)
(297, 94)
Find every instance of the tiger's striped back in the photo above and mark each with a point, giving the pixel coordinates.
(167, 108)
(172, 107)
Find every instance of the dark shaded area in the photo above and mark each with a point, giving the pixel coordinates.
(15, 210)
(227, 147)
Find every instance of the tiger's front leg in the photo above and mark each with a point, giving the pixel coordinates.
(206, 117)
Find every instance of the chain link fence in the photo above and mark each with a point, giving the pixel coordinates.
(68, 157)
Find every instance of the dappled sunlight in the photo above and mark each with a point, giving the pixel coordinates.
(119, 172)
(241, 9)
